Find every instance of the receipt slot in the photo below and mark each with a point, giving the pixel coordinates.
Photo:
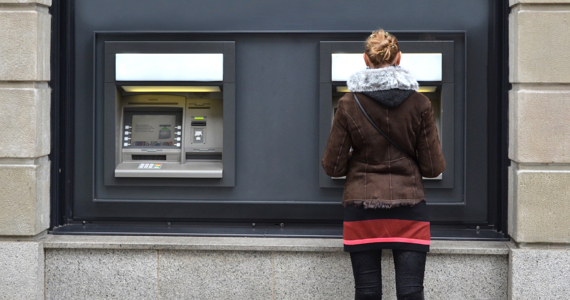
(431, 63)
(173, 109)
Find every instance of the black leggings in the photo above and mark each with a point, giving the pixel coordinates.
(410, 268)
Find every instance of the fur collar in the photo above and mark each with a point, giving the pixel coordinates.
(382, 79)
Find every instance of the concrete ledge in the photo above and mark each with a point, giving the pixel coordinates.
(42, 2)
(22, 270)
(536, 273)
(88, 267)
(515, 2)
(249, 244)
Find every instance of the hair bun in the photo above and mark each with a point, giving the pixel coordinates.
(381, 47)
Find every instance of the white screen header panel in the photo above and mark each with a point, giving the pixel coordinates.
(346, 64)
(424, 66)
(169, 67)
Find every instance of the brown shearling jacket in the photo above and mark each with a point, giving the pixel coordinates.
(378, 175)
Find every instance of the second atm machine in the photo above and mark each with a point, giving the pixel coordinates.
(430, 63)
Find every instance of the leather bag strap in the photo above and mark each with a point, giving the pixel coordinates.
(381, 132)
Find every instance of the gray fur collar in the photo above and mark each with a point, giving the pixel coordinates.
(382, 79)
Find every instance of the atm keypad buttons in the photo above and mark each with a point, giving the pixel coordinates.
(126, 138)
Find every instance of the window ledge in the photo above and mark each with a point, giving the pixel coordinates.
(251, 244)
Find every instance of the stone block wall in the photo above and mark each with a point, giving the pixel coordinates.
(539, 190)
(539, 148)
(24, 117)
(539, 108)
(25, 33)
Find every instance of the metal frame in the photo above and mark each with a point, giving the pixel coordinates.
(62, 108)
(498, 126)
(62, 155)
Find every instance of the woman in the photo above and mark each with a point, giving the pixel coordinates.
(384, 196)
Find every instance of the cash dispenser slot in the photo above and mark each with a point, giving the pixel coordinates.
(203, 156)
(148, 157)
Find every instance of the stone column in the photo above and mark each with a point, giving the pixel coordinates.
(539, 149)
(25, 28)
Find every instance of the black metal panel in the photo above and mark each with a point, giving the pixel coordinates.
(57, 209)
(499, 85)
(277, 38)
(200, 210)
(62, 111)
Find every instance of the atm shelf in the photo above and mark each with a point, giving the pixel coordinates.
(288, 230)
(201, 169)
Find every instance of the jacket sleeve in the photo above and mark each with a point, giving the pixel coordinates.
(429, 154)
(336, 156)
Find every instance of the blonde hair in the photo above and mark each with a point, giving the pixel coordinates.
(382, 47)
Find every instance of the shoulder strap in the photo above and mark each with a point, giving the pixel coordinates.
(381, 132)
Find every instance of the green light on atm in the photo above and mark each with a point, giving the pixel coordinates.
(198, 118)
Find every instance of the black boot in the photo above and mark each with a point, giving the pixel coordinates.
(412, 296)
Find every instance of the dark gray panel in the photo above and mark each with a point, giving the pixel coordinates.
(230, 63)
(110, 60)
(335, 15)
(276, 89)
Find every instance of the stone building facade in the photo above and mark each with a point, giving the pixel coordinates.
(535, 264)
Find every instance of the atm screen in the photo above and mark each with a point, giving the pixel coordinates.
(153, 130)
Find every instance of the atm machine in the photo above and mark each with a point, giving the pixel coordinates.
(426, 68)
(169, 118)
(165, 135)
(430, 63)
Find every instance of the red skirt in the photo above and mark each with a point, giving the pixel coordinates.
(404, 228)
